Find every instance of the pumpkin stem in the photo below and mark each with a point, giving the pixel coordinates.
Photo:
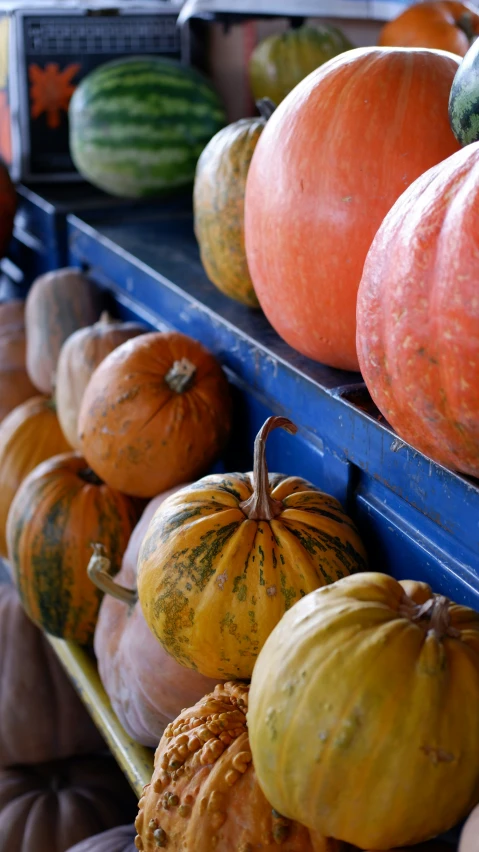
(265, 107)
(436, 611)
(106, 319)
(180, 377)
(89, 475)
(261, 506)
(99, 573)
(465, 24)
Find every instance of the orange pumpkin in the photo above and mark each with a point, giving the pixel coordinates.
(79, 356)
(338, 151)
(15, 385)
(29, 435)
(128, 653)
(58, 303)
(41, 715)
(60, 509)
(204, 794)
(155, 413)
(8, 208)
(442, 25)
(418, 314)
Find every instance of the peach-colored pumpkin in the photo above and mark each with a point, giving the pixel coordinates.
(146, 686)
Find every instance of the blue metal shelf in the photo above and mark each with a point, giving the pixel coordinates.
(418, 519)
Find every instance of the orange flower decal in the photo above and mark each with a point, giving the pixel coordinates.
(51, 90)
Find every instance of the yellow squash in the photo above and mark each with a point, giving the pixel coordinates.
(224, 559)
(363, 712)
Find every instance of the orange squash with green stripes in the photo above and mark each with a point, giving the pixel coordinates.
(60, 509)
(224, 559)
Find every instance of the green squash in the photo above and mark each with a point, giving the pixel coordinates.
(282, 60)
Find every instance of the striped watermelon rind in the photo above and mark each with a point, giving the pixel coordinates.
(138, 125)
(464, 98)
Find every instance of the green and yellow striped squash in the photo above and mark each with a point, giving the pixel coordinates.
(58, 512)
(223, 559)
(138, 125)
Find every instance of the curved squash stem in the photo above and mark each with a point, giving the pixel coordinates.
(181, 375)
(261, 506)
(106, 319)
(265, 107)
(436, 611)
(98, 571)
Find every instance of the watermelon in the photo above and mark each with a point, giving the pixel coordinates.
(464, 98)
(138, 125)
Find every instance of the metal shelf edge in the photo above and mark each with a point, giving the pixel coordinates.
(135, 760)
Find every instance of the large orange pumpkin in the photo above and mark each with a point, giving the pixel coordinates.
(41, 716)
(226, 557)
(418, 314)
(58, 303)
(155, 413)
(441, 24)
(128, 653)
(79, 356)
(330, 163)
(29, 435)
(59, 511)
(204, 795)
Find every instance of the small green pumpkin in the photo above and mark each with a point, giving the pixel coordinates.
(282, 60)
(220, 185)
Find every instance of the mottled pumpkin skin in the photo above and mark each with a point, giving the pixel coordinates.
(51, 806)
(146, 686)
(371, 703)
(120, 839)
(41, 716)
(282, 60)
(55, 517)
(418, 314)
(433, 24)
(339, 151)
(213, 584)
(218, 198)
(79, 357)
(30, 434)
(58, 303)
(136, 432)
(204, 794)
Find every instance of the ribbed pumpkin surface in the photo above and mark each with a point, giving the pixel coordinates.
(30, 434)
(138, 125)
(58, 512)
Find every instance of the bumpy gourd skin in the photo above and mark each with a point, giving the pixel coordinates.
(204, 796)
(219, 192)
(368, 729)
(213, 583)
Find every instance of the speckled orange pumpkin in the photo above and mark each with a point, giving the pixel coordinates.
(60, 509)
(204, 794)
(218, 198)
(224, 559)
(155, 413)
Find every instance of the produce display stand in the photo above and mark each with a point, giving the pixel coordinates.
(135, 760)
(417, 519)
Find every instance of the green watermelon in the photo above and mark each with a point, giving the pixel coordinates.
(138, 125)
(464, 98)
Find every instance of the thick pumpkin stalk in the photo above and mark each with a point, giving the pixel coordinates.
(99, 573)
(261, 506)
(181, 375)
(435, 612)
